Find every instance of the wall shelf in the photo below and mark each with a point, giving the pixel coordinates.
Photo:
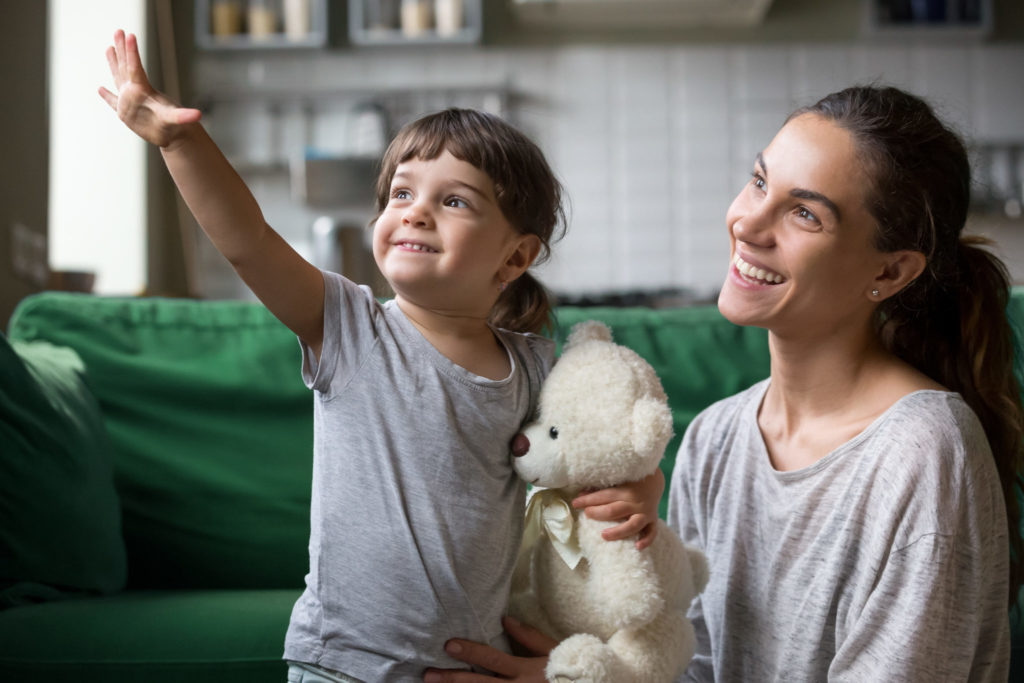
(928, 18)
(414, 22)
(271, 25)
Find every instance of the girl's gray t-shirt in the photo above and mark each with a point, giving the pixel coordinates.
(416, 512)
(887, 560)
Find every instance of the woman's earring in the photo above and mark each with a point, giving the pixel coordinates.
(874, 292)
(503, 286)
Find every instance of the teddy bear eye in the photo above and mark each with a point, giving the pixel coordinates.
(553, 432)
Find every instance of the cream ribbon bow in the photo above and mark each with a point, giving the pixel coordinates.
(549, 513)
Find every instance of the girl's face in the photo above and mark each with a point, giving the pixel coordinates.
(442, 241)
(803, 261)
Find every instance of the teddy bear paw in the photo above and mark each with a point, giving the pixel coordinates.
(582, 658)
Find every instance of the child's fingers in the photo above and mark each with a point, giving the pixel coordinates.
(119, 54)
(601, 497)
(647, 536)
(133, 62)
(631, 527)
(108, 97)
(115, 70)
(612, 512)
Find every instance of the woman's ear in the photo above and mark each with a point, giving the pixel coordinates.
(899, 269)
(524, 253)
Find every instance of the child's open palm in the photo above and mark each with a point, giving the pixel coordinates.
(150, 114)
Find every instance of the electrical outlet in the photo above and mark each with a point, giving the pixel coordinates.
(29, 255)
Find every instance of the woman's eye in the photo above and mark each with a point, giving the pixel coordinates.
(806, 214)
(757, 181)
(553, 432)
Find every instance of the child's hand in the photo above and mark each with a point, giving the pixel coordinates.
(636, 503)
(147, 112)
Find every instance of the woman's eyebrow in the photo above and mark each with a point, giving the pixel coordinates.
(801, 193)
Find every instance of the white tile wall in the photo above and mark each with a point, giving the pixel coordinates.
(652, 143)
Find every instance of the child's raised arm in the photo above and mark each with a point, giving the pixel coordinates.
(287, 284)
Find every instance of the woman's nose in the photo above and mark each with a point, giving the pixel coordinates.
(754, 224)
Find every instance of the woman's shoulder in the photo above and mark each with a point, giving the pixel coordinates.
(729, 409)
(932, 440)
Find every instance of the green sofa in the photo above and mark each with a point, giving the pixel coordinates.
(155, 475)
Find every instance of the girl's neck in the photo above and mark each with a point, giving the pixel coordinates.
(464, 339)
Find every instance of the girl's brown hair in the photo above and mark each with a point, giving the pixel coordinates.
(951, 322)
(529, 195)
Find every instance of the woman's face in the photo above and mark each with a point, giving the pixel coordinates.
(803, 259)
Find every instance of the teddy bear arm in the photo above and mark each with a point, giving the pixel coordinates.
(623, 582)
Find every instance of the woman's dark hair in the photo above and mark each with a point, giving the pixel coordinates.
(951, 322)
(528, 194)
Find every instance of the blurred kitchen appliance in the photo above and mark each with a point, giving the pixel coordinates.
(341, 191)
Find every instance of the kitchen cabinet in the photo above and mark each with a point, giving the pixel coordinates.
(414, 22)
(260, 24)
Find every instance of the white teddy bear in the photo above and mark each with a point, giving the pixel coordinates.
(619, 612)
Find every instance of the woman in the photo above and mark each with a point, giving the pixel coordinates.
(858, 507)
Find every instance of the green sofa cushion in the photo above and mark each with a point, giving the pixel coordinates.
(60, 520)
(150, 637)
(211, 429)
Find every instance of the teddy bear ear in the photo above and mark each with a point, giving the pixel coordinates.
(652, 425)
(588, 330)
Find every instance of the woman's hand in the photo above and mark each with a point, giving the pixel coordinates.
(148, 113)
(636, 503)
(526, 669)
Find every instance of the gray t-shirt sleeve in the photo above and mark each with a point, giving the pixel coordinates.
(886, 560)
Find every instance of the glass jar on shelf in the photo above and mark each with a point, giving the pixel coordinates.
(417, 17)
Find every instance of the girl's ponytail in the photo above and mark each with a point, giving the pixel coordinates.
(524, 306)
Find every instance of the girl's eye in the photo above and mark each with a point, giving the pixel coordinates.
(400, 194)
(456, 202)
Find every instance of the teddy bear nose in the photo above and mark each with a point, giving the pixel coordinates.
(520, 445)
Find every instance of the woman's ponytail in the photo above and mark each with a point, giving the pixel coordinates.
(951, 323)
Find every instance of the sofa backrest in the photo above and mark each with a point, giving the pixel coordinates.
(211, 430)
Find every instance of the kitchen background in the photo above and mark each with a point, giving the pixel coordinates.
(650, 112)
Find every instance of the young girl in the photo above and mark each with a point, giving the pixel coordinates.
(859, 506)
(416, 511)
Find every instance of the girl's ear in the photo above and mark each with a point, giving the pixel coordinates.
(899, 269)
(524, 252)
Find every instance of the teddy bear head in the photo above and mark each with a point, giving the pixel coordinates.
(603, 417)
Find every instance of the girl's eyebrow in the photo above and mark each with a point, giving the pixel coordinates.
(801, 193)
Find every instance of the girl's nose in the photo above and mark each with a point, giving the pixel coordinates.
(417, 216)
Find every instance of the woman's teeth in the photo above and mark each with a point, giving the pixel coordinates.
(755, 273)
